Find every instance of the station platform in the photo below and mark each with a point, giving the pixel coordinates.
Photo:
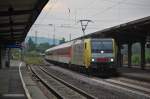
(10, 83)
(11, 86)
(135, 73)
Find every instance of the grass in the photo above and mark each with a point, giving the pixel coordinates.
(136, 59)
(33, 58)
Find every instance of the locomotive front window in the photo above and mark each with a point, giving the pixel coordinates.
(102, 45)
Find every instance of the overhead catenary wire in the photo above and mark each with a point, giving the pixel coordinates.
(109, 8)
(63, 26)
(131, 3)
(147, 5)
(117, 3)
(49, 9)
(95, 20)
(53, 2)
(114, 4)
(90, 4)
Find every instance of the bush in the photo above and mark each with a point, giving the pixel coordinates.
(147, 57)
(136, 59)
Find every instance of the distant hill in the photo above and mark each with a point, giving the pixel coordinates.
(42, 40)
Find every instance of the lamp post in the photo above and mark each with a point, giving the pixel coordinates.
(53, 33)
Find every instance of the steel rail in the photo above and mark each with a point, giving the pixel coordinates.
(85, 94)
(46, 85)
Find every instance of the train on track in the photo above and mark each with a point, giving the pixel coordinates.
(96, 54)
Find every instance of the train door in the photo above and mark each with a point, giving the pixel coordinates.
(87, 52)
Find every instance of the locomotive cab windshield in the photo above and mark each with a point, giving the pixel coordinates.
(102, 50)
(99, 46)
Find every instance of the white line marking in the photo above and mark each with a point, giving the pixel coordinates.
(13, 95)
(23, 83)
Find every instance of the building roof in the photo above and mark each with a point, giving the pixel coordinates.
(134, 31)
(17, 17)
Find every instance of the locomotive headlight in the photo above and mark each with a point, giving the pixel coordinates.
(111, 59)
(102, 52)
(93, 60)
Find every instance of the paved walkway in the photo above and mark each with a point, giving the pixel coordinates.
(135, 73)
(10, 83)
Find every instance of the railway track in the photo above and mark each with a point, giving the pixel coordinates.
(57, 86)
(134, 88)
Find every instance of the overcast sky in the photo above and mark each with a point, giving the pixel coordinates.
(65, 14)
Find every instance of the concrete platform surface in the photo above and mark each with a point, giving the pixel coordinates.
(10, 83)
(11, 86)
(135, 73)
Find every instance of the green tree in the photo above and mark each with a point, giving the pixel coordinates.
(31, 44)
(62, 40)
(42, 47)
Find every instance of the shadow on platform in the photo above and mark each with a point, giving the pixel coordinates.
(10, 83)
(135, 73)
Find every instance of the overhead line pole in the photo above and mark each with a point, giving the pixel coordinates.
(54, 35)
(53, 32)
(84, 24)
